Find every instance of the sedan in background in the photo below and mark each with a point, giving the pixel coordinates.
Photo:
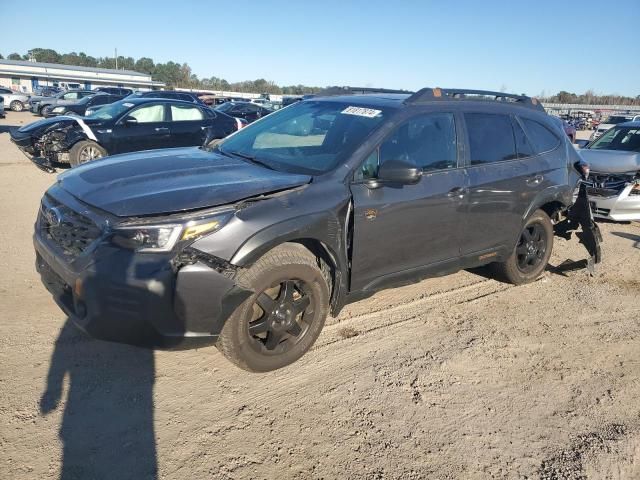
(84, 106)
(614, 160)
(128, 125)
(41, 105)
(245, 110)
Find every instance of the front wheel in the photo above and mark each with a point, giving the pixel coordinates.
(85, 151)
(17, 106)
(283, 317)
(531, 254)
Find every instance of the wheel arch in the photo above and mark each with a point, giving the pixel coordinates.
(551, 201)
(321, 234)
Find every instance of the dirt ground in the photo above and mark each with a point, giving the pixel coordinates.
(457, 377)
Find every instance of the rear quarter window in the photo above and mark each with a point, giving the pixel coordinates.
(542, 137)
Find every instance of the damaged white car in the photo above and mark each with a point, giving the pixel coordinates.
(614, 181)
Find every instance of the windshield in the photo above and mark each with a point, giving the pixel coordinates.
(619, 138)
(109, 112)
(311, 137)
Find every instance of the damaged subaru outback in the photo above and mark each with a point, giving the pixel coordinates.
(250, 244)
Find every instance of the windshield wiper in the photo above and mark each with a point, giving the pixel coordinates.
(249, 158)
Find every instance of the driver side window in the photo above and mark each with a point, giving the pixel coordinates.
(428, 141)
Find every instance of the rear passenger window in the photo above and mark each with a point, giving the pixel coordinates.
(543, 138)
(490, 138)
(523, 146)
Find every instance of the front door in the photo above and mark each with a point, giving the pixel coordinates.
(399, 229)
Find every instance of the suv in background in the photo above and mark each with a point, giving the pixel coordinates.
(251, 243)
(120, 91)
(171, 95)
(14, 100)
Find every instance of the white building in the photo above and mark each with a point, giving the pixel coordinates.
(26, 76)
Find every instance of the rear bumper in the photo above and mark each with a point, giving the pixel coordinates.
(140, 299)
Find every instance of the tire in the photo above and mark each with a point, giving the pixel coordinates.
(44, 111)
(85, 151)
(275, 326)
(17, 106)
(531, 254)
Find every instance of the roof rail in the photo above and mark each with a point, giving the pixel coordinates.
(335, 90)
(435, 94)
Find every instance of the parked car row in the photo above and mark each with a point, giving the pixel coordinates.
(14, 100)
(127, 125)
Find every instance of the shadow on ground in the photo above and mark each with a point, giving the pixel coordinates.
(107, 426)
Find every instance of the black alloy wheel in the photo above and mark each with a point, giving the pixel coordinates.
(282, 315)
(531, 248)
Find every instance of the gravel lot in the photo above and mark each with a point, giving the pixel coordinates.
(456, 377)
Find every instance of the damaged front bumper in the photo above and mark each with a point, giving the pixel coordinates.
(622, 205)
(141, 299)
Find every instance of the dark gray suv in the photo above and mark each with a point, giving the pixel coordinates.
(252, 243)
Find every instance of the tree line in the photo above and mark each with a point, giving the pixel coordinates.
(176, 74)
(591, 98)
(173, 74)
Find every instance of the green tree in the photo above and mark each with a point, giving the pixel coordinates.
(14, 56)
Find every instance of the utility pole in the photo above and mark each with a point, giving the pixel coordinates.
(116, 58)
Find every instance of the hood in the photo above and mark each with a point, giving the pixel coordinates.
(171, 180)
(611, 161)
(62, 120)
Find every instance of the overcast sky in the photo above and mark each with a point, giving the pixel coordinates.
(536, 46)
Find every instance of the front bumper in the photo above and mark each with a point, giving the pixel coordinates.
(622, 207)
(140, 299)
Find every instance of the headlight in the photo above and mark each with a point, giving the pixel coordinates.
(89, 111)
(58, 110)
(163, 238)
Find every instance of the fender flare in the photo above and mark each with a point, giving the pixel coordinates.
(551, 194)
(326, 229)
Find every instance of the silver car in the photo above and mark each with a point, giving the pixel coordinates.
(14, 100)
(614, 181)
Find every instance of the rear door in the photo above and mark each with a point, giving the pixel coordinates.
(188, 126)
(403, 228)
(149, 131)
(499, 180)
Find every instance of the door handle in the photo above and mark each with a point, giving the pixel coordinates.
(161, 129)
(535, 180)
(457, 192)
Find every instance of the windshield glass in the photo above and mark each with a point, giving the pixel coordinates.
(619, 138)
(109, 112)
(310, 137)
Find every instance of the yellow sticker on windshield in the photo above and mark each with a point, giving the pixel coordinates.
(362, 112)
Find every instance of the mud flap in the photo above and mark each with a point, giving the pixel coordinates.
(579, 215)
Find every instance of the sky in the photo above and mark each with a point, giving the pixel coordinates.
(531, 47)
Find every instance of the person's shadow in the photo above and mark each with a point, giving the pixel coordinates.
(107, 426)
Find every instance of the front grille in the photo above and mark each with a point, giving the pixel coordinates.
(70, 231)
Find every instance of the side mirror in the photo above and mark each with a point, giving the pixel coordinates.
(581, 143)
(130, 121)
(399, 171)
